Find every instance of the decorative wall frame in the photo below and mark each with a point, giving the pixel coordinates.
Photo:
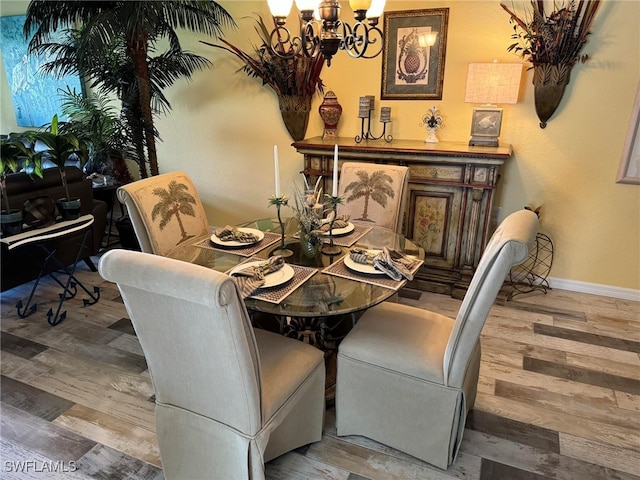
(34, 94)
(629, 170)
(486, 123)
(411, 71)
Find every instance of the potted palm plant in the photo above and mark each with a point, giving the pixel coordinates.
(58, 148)
(16, 153)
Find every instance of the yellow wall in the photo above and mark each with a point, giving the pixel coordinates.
(223, 127)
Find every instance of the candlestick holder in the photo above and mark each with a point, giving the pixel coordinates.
(330, 248)
(365, 116)
(279, 201)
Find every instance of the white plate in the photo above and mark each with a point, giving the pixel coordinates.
(340, 231)
(363, 267)
(272, 279)
(236, 243)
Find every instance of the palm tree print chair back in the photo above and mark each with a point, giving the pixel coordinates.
(374, 194)
(165, 211)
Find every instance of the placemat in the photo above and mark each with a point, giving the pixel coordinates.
(359, 231)
(280, 292)
(339, 269)
(269, 239)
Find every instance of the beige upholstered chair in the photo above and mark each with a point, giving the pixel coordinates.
(407, 377)
(228, 397)
(165, 211)
(374, 193)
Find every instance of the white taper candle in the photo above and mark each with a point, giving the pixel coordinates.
(335, 172)
(277, 169)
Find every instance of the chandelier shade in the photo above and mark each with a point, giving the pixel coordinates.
(322, 32)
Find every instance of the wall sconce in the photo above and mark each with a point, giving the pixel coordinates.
(322, 31)
(490, 84)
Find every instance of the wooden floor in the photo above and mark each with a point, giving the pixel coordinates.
(559, 396)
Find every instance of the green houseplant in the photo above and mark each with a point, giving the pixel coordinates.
(112, 48)
(94, 119)
(15, 154)
(58, 148)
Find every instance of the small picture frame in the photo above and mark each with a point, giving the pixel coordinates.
(485, 126)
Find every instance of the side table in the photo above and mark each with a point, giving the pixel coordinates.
(42, 242)
(107, 193)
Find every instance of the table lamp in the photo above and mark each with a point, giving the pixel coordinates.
(490, 84)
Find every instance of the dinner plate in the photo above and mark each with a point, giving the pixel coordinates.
(273, 279)
(236, 243)
(340, 231)
(363, 267)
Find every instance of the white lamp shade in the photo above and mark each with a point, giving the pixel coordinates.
(280, 8)
(307, 5)
(359, 4)
(493, 83)
(427, 39)
(376, 9)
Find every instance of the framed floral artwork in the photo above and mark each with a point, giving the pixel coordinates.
(413, 54)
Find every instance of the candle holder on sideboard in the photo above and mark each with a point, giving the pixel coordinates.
(364, 113)
(279, 201)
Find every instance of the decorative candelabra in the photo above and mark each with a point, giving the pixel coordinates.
(366, 106)
(333, 202)
(279, 201)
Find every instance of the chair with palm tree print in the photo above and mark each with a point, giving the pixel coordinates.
(374, 194)
(165, 211)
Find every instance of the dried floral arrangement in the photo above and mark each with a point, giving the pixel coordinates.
(309, 207)
(285, 73)
(555, 38)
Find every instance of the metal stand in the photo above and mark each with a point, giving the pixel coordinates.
(532, 274)
(368, 134)
(332, 249)
(278, 202)
(70, 287)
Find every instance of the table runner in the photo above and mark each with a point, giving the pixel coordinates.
(269, 239)
(339, 269)
(280, 292)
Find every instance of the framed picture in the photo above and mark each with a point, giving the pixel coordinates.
(413, 54)
(34, 94)
(485, 126)
(629, 170)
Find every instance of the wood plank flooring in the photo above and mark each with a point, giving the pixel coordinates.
(558, 396)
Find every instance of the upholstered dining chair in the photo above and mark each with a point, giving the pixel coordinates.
(407, 377)
(228, 397)
(374, 194)
(165, 210)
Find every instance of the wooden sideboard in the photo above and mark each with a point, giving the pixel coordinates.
(448, 202)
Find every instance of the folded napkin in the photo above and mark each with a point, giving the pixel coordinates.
(229, 233)
(341, 221)
(393, 263)
(252, 278)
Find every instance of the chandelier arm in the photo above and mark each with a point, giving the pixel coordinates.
(283, 44)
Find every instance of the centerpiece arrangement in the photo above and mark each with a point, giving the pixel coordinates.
(552, 43)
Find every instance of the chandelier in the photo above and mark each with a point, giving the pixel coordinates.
(322, 31)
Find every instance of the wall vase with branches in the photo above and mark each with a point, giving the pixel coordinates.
(295, 111)
(294, 77)
(552, 43)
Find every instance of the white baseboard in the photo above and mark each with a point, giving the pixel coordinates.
(595, 289)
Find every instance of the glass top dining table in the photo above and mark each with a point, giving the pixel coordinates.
(321, 295)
